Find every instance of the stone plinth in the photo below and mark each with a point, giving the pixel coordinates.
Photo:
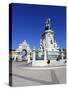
(39, 62)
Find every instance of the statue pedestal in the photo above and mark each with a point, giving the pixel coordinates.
(42, 62)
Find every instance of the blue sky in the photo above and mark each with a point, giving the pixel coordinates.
(28, 23)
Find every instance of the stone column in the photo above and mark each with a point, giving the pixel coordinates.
(28, 57)
(28, 54)
(62, 55)
(15, 58)
(45, 56)
(33, 54)
(33, 61)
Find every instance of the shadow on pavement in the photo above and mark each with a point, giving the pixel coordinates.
(32, 79)
(53, 76)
